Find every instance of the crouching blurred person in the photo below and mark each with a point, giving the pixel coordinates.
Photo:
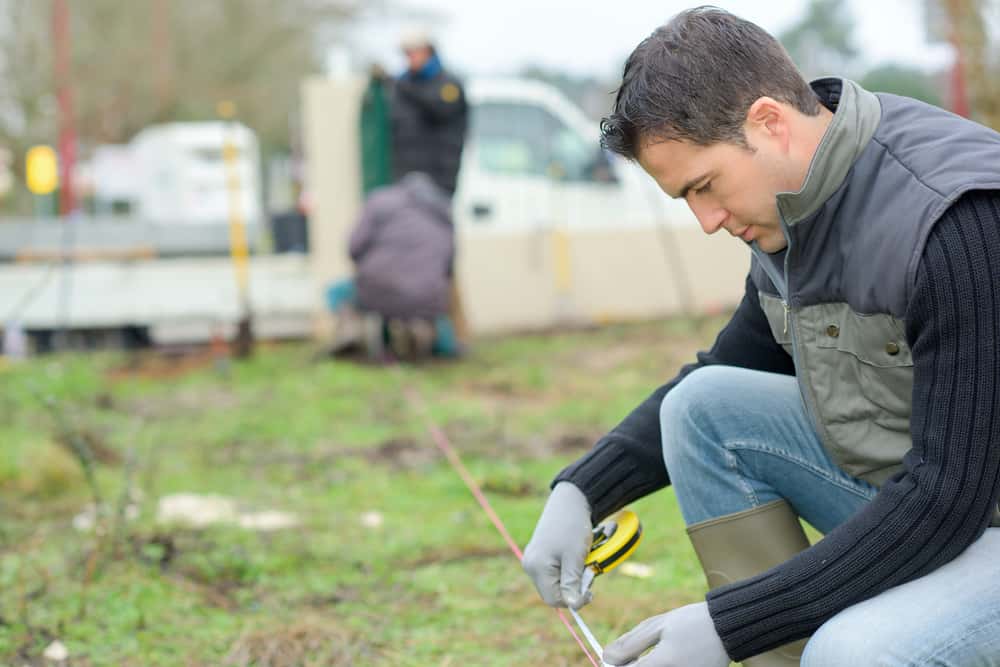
(403, 250)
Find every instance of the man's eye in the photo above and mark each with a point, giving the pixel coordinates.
(703, 189)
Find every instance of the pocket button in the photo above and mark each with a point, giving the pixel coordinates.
(892, 348)
(833, 331)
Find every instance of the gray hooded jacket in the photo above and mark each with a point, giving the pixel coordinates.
(403, 247)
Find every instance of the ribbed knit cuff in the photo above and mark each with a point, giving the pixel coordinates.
(610, 477)
(731, 625)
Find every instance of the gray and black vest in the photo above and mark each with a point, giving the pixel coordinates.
(837, 296)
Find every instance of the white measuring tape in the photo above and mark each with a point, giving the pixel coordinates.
(614, 540)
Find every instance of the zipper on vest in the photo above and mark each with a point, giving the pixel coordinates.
(800, 370)
(784, 290)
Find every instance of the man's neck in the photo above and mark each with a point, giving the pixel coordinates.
(828, 144)
(813, 130)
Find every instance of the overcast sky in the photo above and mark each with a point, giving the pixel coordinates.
(586, 37)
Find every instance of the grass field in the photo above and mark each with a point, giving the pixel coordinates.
(392, 562)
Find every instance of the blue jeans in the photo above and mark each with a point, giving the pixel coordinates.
(734, 439)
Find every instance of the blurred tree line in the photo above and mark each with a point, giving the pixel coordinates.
(143, 62)
(973, 25)
(822, 42)
(140, 63)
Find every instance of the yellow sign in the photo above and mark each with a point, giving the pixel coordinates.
(226, 109)
(450, 93)
(42, 170)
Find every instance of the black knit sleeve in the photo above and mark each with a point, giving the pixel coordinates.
(944, 498)
(627, 463)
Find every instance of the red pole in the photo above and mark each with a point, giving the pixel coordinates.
(64, 95)
(959, 94)
(161, 47)
(954, 10)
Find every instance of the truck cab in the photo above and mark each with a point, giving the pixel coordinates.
(554, 230)
(533, 159)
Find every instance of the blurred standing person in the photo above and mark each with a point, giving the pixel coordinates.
(428, 115)
(403, 249)
(428, 119)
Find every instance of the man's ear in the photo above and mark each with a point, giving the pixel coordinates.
(767, 120)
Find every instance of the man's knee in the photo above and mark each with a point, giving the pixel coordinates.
(704, 392)
(692, 406)
(827, 648)
(695, 392)
(851, 639)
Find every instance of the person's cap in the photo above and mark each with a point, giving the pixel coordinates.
(415, 38)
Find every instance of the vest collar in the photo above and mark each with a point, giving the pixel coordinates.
(856, 115)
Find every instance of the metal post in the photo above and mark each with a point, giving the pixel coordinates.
(239, 250)
(64, 95)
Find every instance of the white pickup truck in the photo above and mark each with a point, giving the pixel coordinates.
(551, 231)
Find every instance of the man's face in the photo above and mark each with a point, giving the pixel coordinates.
(727, 186)
(417, 57)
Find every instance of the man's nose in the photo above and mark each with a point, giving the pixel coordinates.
(710, 218)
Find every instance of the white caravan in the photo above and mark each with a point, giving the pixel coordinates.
(182, 177)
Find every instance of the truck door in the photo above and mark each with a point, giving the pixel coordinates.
(505, 181)
(504, 216)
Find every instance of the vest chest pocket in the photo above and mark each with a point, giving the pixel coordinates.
(860, 369)
(877, 340)
(865, 353)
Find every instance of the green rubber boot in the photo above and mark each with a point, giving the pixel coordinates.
(740, 545)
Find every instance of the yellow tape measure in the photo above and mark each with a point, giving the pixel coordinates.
(614, 540)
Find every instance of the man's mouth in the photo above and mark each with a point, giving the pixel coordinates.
(746, 233)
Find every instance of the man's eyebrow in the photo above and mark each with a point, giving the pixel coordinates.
(690, 184)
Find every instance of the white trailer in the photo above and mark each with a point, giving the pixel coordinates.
(182, 176)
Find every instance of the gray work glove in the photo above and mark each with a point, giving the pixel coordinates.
(561, 541)
(684, 637)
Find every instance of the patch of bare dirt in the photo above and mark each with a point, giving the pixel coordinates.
(496, 388)
(603, 359)
(492, 439)
(306, 643)
(401, 453)
(668, 344)
(340, 595)
(86, 440)
(511, 488)
(442, 556)
(408, 453)
(192, 401)
(397, 453)
(164, 363)
(167, 550)
(569, 443)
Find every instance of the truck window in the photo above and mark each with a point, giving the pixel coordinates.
(208, 153)
(524, 139)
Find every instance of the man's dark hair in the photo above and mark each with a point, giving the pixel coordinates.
(695, 78)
